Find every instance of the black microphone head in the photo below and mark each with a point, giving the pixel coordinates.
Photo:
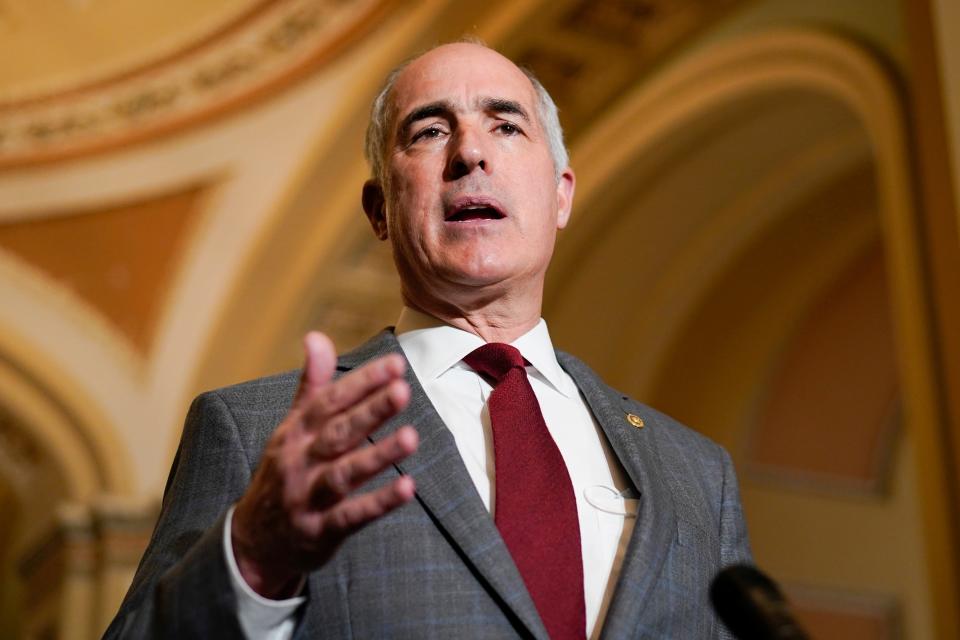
(752, 606)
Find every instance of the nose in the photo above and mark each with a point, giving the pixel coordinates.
(467, 154)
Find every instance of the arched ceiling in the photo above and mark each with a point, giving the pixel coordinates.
(94, 75)
(66, 44)
(656, 233)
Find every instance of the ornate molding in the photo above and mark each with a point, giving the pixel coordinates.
(279, 43)
(589, 53)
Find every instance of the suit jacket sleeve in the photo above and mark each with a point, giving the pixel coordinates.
(734, 544)
(182, 587)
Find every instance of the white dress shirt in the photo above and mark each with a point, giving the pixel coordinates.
(605, 506)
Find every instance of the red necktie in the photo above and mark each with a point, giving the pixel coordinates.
(536, 510)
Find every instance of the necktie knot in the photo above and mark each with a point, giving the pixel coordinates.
(495, 360)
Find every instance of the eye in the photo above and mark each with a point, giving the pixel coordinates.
(508, 128)
(433, 131)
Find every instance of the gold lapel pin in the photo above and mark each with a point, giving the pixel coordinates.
(635, 420)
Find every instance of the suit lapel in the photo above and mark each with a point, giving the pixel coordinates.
(656, 525)
(446, 491)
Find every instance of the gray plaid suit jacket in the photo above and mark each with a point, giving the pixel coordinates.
(437, 567)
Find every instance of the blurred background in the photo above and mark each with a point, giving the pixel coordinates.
(764, 244)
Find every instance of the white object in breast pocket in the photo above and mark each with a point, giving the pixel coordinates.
(609, 500)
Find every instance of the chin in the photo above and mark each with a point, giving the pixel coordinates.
(485, 269)
(473, 278)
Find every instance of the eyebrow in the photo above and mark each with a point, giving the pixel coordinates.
(422, 113)
(444, 107)
(501, 105)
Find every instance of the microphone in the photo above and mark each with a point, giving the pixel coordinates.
(752, 606)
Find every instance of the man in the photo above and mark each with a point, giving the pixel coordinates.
(363, 493)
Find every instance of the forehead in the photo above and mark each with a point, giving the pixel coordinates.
(460, 74)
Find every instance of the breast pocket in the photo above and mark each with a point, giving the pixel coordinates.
(615, 513)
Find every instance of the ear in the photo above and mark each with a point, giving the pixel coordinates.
(565, 188)
(374, 206)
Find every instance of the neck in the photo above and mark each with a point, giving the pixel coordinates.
(501, 318)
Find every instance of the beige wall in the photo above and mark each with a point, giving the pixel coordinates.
(947, 20)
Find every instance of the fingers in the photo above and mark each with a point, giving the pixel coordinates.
(346, 430)
(350, 515)
(312, 464)
(356, 385)
(342, 412)
(320, 360)
(332, 482)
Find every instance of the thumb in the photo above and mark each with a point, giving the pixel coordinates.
(320, 359)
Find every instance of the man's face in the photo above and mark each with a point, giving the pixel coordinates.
(471, 201)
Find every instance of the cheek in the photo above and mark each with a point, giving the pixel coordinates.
(410, 201)
(409, 233)
(542, 205)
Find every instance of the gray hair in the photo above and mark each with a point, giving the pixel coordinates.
(375, 145)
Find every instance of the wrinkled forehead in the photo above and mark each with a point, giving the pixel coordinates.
(463, 75)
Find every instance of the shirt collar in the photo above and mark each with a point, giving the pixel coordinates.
(433, 347)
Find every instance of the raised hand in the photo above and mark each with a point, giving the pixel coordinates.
(297, 509)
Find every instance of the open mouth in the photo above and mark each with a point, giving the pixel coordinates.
(469, 211)
(474, 213)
